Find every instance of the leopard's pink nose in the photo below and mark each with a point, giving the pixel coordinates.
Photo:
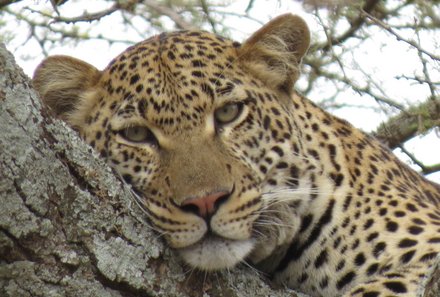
(205, 206)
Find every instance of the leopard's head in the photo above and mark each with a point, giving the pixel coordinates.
(200, 126)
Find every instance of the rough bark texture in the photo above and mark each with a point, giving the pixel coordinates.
(68, 227)
(409, 124)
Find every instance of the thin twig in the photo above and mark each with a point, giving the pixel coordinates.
(210, 20)
(333, 54)
(361, 90)
(249, 6)
(86, 17)
(431, 86)
(180, 22)
(418, 79)
(89, 17)
(355, 26)
(425, 169)
(400, 37)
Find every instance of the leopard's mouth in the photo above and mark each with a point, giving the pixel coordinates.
(215, 253)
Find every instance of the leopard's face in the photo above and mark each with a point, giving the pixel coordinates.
(203, 139)
(200, 142)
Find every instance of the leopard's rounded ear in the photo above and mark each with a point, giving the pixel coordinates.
(274, 52)
(62, 82)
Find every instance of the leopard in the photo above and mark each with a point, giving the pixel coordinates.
(232, 165)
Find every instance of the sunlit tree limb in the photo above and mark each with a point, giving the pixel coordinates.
(410, 123)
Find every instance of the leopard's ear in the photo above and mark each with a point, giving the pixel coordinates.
(274, 52)
(62, 82)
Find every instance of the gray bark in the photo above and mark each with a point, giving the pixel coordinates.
(68, 227)
(410, 123)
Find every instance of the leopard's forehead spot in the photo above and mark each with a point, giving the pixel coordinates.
(173, 79)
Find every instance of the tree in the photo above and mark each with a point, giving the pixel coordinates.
(342, 71)
(68, 226)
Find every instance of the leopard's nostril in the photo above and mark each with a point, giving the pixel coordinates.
(205, 206)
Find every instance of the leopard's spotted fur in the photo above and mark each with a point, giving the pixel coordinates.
(231, 164)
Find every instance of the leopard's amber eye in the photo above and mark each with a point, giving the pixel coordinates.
(228, 113)
(138, 134)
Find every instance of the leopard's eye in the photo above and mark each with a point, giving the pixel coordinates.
(138, 134)
(228, 113)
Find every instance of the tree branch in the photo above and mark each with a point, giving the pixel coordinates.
(424, 169)
(180, 22)
(4, 3)
(86, 17)
(409, 123)
(319, 71)
(355, 26)
(211, 21)
(400, 37)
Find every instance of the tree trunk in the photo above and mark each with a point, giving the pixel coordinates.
(68, 227)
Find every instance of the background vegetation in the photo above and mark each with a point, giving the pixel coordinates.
(375, 63)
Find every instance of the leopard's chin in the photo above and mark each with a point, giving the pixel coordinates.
(216, 253)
